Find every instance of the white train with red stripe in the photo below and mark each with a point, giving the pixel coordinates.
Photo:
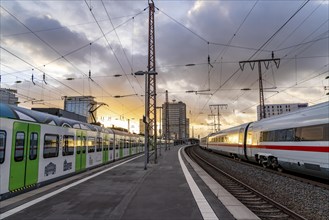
(296, 141)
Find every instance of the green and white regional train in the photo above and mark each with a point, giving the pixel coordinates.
(37, 148)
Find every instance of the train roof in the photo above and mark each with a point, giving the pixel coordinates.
(228, 130)
(19, 113)
(313, 115)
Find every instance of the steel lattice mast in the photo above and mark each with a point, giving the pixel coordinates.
(167, 131)
(261, 89)
(152, 125)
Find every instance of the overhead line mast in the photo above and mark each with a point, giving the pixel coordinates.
(151, 82)
(261, 89)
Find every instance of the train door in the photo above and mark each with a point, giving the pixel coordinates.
(78, 151)
(121, 147)
(106, 149)
(117, 147)
(24, 163)
(131, 145)
(80, 159)
(241, 142)
(111, 147)
(84, 151)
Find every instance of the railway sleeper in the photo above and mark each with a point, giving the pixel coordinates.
(282, 216)
(252, 203)
(266, 206)
(250, 199)
(245, 196)
(269, 210)
(238, 189)
(244, 193)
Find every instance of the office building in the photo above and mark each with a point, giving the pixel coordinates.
(278, 109)
(8, 96)
(62, 113)
(178, 123)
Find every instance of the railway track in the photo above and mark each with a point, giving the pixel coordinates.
(299, 177)
(264, 207)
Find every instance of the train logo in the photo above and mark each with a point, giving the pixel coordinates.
(67, 166)
(50, 169)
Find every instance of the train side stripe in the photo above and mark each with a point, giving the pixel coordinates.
(322, 149)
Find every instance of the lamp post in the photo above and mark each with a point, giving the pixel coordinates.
(146, 118)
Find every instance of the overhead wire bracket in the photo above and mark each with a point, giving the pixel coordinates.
(44, 78)
(32, 77)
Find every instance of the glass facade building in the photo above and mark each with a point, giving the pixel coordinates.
(81, 105)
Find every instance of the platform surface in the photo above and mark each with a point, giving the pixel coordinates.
(124, 190)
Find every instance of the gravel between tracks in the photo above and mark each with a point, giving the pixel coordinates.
(309, 201)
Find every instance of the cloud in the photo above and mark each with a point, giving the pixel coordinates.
(183, 30)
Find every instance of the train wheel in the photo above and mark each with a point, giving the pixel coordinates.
(263, 162)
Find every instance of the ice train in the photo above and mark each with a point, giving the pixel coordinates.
(297, 141)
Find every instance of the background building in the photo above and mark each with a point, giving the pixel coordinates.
(178, 123)
(62, 113)
(278, 109)
(81, 105)
(8, 96)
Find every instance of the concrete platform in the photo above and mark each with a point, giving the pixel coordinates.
(171, 189)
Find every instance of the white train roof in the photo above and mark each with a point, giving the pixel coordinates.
(313, 115)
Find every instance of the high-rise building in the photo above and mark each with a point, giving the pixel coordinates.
(81, 105)
(178, 123)
(8, 96)
(141, 126)
(278, 109)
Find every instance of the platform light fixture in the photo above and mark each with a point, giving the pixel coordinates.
(123, 96)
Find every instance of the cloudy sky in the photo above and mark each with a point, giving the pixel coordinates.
(70, 39)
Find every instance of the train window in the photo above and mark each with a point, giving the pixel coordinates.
(285, 135)
(34, 139)
(326, 132)
(241, 134)
(78, 144)
(51, 146)
(2, 146)
(91, 144)
(99, 144)
(312, 133)
(249, 137)
(68, 148)
(19, 146)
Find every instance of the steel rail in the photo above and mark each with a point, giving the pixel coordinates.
(246, 194)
